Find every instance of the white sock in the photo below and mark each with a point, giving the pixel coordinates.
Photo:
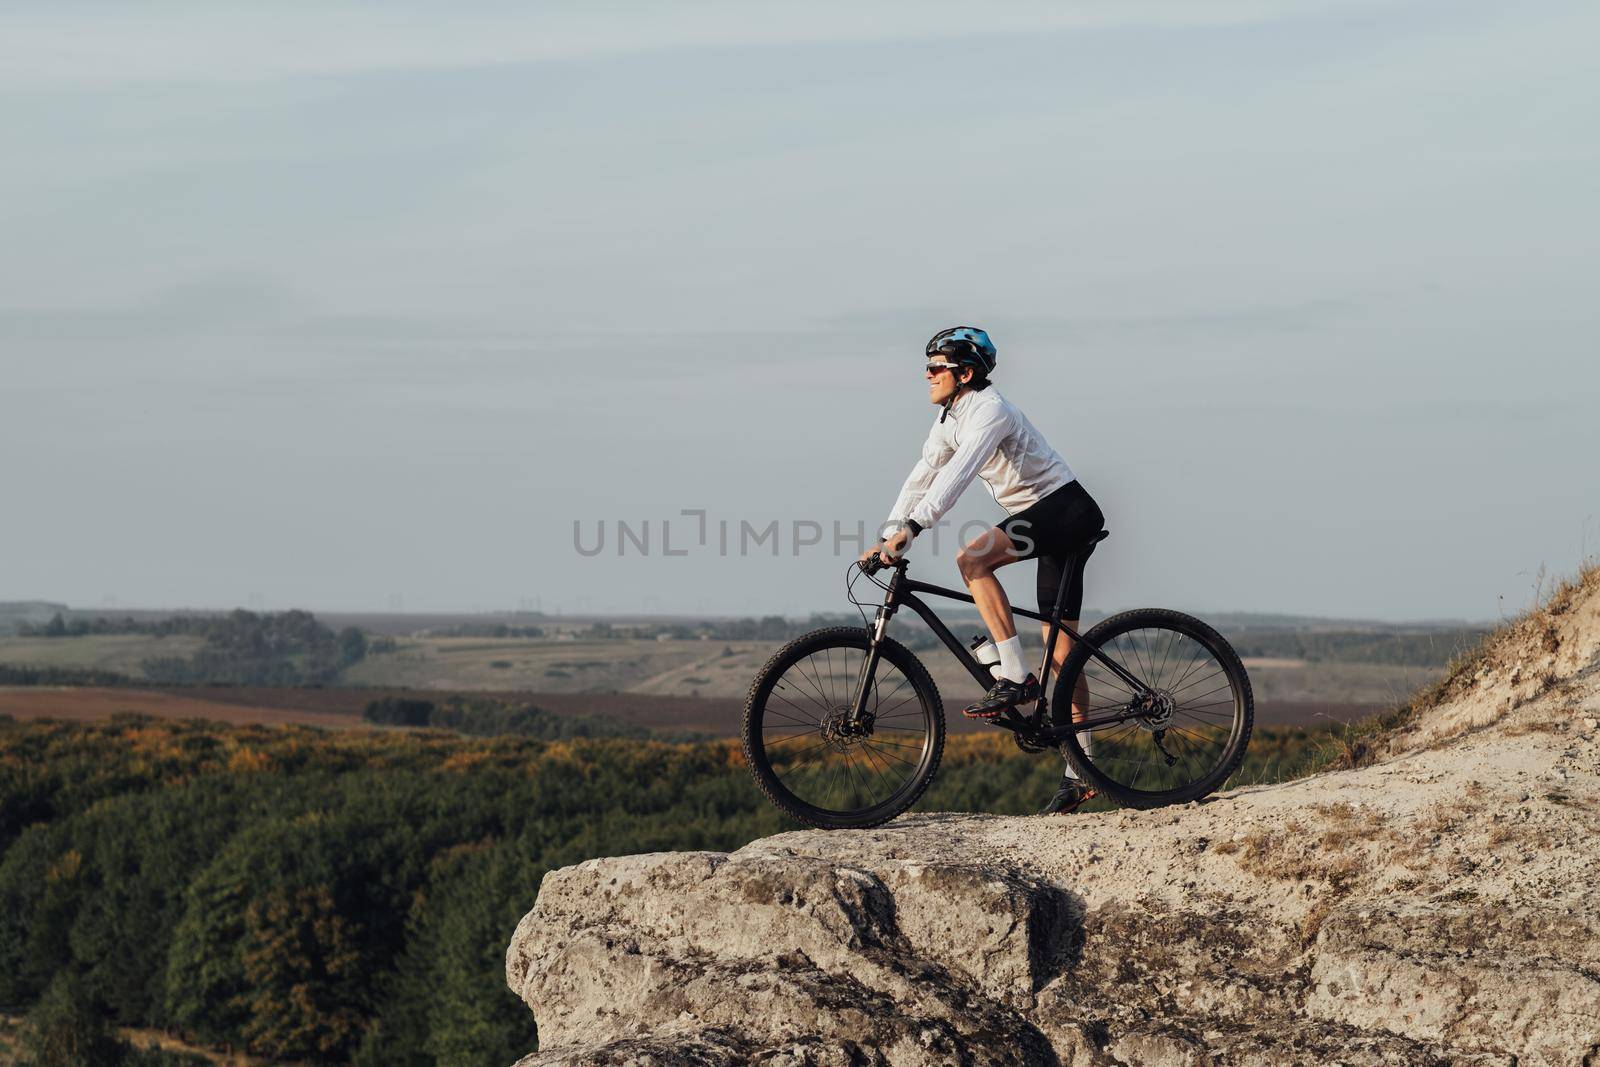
(1085, 742)
(1011, 659)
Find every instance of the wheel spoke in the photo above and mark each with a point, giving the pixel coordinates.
(1191, 664)
(1202, 678)
(891, 755)
(795, 706)
(1172, 638)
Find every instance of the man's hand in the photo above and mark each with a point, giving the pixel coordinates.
(890, 548)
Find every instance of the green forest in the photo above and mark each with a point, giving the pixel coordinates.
(347, 896)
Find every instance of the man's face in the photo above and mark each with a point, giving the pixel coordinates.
(942, 381)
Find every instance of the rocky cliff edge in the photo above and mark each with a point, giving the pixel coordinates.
(1437, 905)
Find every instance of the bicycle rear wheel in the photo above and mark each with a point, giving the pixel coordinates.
(1186, 738)
(802, 750)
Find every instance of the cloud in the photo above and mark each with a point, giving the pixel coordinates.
(99, 45)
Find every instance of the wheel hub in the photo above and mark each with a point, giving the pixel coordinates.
(839, 733)
(1155, 709)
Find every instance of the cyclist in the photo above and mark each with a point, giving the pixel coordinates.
(980, 433)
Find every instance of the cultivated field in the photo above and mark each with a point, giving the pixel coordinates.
(663, 668)
(94, 704)
(341, 708)
(122, 653)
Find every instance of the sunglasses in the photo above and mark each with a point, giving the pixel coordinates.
(936, 366)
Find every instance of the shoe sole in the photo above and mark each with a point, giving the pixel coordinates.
(1024, 702)
(1090, 795)
(969, 713)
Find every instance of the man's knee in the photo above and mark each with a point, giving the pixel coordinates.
(972, 565)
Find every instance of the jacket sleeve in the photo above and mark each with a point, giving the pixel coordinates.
(936, 451)
(979, 439)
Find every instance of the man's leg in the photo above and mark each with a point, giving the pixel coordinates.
(1062, 575)
(977, 562)
(1080, 691)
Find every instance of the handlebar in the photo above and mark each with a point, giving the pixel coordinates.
(874, 563)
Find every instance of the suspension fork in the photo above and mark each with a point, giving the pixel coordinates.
(860, 717)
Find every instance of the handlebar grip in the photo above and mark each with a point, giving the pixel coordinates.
(874, 563)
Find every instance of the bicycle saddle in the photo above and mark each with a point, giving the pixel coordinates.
(1096, 539)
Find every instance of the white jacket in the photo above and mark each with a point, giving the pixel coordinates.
(984, 435)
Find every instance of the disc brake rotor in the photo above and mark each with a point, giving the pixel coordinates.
(839, 734)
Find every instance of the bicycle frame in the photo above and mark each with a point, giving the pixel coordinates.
(902, 592)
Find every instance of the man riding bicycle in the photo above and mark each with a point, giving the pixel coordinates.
(1050, 516)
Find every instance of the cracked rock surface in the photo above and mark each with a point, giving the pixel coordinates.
(1440, 906)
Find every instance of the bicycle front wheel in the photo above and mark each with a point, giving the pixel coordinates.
(812, 761)
(1183, 737)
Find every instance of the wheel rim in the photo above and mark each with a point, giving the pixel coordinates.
(811, 753)
(1182, 731)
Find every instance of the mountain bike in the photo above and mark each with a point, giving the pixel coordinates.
(843, 727)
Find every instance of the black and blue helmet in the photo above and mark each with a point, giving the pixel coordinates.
(965, 344)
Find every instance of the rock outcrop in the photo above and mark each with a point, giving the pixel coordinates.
(1438, 906)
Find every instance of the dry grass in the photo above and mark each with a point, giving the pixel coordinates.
(1535, 726)
(1312, 923)
(1348, 825)
(1332, 853)
(1441, 819)
(1505, 650)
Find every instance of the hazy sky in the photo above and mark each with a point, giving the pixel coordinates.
(365, 306)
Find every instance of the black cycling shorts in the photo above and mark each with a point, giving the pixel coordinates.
(1053, 531)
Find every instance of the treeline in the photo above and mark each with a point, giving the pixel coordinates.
(347, 897)
(766, 628)
(243, 648)
(61, 626)
(22, 674)
(908, 628)
(484, 717)
(484, 629)
(1414, 649)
